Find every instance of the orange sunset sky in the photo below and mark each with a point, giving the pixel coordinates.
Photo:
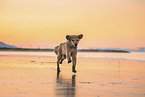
(45, 23)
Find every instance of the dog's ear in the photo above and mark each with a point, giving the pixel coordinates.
(68, 37)
(80, 36)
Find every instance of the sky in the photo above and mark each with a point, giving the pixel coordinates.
(45, 23)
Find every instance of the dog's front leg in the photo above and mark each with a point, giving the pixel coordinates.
(68, 54)
(74, 62)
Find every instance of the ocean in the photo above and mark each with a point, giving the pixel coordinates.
(137, 56)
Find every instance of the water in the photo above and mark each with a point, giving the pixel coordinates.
(137, 56)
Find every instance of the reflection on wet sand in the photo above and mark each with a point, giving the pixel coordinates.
(65, 86)
(26, 75)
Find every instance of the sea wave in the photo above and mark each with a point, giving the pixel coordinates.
(120, 56)
(137, 56)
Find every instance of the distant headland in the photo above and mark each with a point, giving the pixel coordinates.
(6, 47)
(44, 50)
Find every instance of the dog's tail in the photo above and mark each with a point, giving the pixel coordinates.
(56, 49)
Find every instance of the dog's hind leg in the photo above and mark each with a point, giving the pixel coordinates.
(69, 60)
(58, 61)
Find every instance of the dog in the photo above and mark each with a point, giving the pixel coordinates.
(68, 50)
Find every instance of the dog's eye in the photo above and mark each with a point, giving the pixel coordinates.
(73, 40)
(77, 40)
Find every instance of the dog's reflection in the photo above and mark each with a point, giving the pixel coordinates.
(65, 86)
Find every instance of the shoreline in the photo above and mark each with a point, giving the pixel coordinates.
(90, 55)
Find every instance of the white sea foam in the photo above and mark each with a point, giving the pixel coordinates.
(138, 56)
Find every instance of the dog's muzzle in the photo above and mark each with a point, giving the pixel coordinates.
(75, 46)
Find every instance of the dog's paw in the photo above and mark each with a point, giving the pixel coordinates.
(74, 71)
(69, 61)
(60, 62)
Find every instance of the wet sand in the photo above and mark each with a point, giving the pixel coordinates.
(35, 76)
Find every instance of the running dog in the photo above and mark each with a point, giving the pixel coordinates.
(68, 50)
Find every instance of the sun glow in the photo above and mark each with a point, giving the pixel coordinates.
(33, 23)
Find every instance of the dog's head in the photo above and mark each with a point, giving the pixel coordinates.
(74, 39)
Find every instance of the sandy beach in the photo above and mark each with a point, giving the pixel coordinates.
(36, 76)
